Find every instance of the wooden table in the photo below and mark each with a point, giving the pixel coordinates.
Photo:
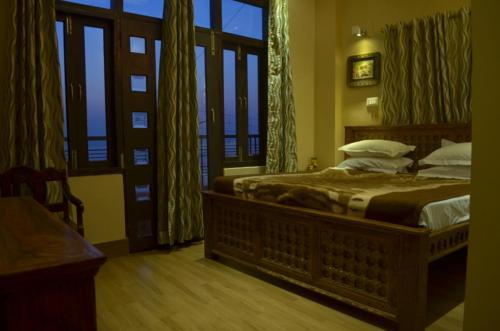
(46, 271)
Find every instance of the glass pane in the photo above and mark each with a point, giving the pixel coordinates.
(202, 113)
(230, 119)
(157, 63)
(253, 104)
(242, 19)
(97, 149)
(202, 13)
(138, 45)
(142, 193)
(62, 66)
(95, 3)
(153, 8)
(138, 83)
(96, 94)
(141, 156)
(139, 120)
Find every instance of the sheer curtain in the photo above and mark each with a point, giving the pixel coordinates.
(281, 136)
(179, 192)
(427, 70)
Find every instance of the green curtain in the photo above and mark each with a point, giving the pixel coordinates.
(427, 70)
(31, 126)
(281, 137)
(179, 192)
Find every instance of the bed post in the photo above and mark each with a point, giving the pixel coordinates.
(208, 225)
(412, 281)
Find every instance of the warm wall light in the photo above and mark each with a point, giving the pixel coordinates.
(370, 102)
(358, 31)
(372, 106)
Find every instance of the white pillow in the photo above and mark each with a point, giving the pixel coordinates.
(377, 164)
(446, 142)
(455, 154)
(377, 148)
(461, 172)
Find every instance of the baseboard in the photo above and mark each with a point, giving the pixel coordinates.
(114, 248)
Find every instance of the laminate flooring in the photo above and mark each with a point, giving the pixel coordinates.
(181, 290)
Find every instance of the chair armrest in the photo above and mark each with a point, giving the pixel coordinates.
(79, 208)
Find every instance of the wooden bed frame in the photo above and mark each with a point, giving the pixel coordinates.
(376, 266)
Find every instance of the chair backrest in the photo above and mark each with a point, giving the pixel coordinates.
(22, 180)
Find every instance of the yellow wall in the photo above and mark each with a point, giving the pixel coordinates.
(324, 81)
(373, 16)
(320, 42)
(102, 196)
(302, 23)
(483, 274)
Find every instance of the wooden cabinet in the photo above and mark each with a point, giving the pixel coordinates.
(46, 271)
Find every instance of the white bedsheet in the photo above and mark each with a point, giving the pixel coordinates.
(440, 214)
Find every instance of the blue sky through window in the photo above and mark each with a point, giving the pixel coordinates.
(242, 19)
(153, 8)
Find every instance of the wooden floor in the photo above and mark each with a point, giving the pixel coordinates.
(180, 290)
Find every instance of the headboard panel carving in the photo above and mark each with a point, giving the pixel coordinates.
(426, 138)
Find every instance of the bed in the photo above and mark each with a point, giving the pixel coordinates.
(372, 265)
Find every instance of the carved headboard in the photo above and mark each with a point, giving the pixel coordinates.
(426, 138)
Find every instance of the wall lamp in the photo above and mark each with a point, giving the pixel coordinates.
(372, 105)
(358, 31)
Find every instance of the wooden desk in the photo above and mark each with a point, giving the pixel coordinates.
(46, 271)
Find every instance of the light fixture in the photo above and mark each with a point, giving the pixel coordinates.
(372, 106)
(358, 31)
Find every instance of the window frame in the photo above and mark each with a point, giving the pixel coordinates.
(217, 38)
(76, 103)
(252, 46)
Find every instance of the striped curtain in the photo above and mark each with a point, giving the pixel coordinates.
(31, 126)
(281, 137)
(179, 192)
(427, 70)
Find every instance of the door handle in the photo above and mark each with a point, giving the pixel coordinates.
(212, 112)
(240, 103)
(80, 92)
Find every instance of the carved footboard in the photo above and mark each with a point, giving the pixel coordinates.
(376, 266)
(449, 240)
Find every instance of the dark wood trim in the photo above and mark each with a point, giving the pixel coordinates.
(258, 3)
(78, 9)
(140, 216)
(94, 171)
(115, 248)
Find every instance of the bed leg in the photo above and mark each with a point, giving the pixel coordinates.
(413, 285)
(208, 225)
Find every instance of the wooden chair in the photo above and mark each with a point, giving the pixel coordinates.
(13, 180)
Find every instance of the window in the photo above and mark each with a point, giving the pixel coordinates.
(87, 91)
(110, 94)
(242, 19)
(152, 8)
(202, 13)
(244, 66)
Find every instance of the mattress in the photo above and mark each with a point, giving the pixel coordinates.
(441, 214)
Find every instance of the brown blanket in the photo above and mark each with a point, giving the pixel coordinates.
(392, 198)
